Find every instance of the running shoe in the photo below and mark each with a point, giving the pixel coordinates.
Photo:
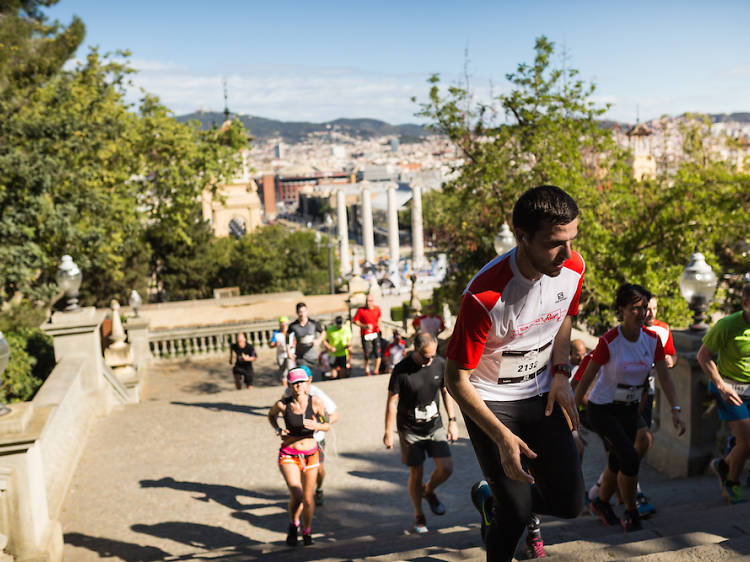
(481, 497)
(436, 505)
(291, 535)
(604, 511)
(645, 509)
(535, 546)
(307, 539)
(721, 469)
(631, 521)
(420, 525)
(732, 491)
(319, 499)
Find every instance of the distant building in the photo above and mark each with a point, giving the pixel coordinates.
(236, 208)
(644, 164)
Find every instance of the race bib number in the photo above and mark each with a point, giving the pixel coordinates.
(371, 336)
(520, 368)
(742, 389)
(427, 413)
(629, 394)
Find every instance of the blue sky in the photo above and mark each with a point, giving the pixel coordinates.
(317, 60)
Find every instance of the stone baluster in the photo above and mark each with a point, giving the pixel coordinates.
(119, 356)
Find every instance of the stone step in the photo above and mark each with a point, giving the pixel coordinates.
(730, 549)
(628, 545)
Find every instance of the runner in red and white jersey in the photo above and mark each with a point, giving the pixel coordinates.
(508, 370)
(622, 359)
(623, 362)
(503, 314)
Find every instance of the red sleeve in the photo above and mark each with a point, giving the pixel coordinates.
(601, 352)
(416, 322)
(379, 316)
(582, 367)
(659, 351)
(470, 333)
(669, 346)
(577, 264)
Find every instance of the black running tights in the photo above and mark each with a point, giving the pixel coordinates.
(558, 488)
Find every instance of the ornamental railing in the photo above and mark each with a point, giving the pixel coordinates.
(212, 341)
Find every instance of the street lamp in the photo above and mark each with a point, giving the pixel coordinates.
(69, 280)
(4, 358)
(697, 285)
(135, 301)
(504, 241)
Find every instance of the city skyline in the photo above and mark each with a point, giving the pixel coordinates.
(296, 61)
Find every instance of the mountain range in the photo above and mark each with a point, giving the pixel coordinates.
(296, 131)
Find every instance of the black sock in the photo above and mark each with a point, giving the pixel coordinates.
(723, 465)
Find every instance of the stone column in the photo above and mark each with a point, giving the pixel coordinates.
(689, 454)
(137, 328)
(393, 243)
(76, 334)
(343, 232)
(417, 234)
(368, 238)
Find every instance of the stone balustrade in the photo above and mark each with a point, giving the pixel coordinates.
(212, 341)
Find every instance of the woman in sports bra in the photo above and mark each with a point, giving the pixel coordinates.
(623, 358)
(298, 455)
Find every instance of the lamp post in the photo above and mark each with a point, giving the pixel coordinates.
(504, 240)
(4, 358)
(69, 280)
(697, 285)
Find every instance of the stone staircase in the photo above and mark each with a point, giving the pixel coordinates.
(689, 531)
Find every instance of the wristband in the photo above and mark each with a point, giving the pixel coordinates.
(563, 368)
(451, 419)
(676, 409)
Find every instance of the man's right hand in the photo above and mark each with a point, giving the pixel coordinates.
(729, 395)
(388, 440)
(511, 448)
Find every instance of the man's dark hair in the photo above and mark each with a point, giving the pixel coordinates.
(630, 293)
(300, 305)
(545, 203)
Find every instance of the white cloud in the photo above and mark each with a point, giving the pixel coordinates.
(286, 92)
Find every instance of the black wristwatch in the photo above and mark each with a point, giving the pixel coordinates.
(451, 419)
(561, 368)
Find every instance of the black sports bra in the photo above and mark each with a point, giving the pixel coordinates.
(294, 421)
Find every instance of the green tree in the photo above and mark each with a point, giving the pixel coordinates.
(546, 130)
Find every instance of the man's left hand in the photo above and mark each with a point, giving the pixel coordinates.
(452, 431)
(561, 392)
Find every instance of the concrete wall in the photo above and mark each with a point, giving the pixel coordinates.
(42, 440)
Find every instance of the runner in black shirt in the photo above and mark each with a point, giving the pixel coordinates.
(243, 368)
(413, 395)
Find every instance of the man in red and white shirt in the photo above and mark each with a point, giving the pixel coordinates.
(508, 370)
(368, 320)
(431, 322)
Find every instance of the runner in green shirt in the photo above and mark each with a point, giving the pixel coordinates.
(338, 343)
(729, 382)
